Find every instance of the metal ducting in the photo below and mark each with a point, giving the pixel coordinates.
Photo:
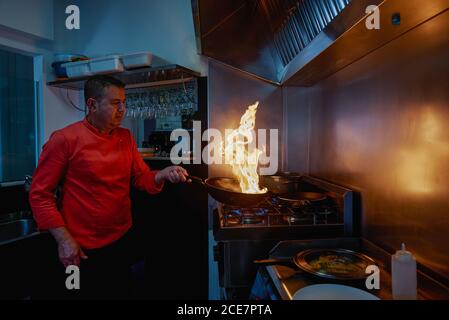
(302, 21)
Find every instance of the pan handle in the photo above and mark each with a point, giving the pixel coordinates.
(281, 261)
(196, 179)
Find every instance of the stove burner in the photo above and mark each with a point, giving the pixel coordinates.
(252, 219)
(324, 212)
(245, 216)
(262, 212)
(301, 219)
(277, 213)
(249, 211)
(232, 220)
(235, 212)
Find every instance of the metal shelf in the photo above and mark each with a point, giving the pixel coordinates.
(137, 78)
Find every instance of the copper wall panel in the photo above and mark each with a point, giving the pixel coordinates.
(381, 126)
(297, 107)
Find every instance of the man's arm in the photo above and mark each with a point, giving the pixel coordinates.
(69, 251)
(143, 178)
(174, 174)
(49, 172)
(52, 166)
(152, 181)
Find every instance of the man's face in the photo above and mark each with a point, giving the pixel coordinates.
(111, 108)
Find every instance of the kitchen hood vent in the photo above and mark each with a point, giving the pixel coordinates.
(301, 42)
(261, 37)
(302, 21)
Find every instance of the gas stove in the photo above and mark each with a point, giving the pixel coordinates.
(274, 213)
(275, 218)
(247, 234)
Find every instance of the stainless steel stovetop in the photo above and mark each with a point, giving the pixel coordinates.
(274, 219)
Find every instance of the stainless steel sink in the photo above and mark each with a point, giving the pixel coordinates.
(16, 230)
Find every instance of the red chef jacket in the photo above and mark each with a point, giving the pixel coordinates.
(95, 170)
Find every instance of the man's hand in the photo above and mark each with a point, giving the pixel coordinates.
(174, 174)
(69, 251)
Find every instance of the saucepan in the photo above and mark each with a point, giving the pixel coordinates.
(277, 184)
(281, 184)
(228, 191)
(297, 199)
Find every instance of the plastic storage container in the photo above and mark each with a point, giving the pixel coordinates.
(66, 57)
(104, 65)
(137, 60)
(77, 69)
(59, 70)
(403, 275)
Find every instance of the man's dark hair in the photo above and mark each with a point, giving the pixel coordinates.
(95, 85)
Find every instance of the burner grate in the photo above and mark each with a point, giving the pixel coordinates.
(275, 213)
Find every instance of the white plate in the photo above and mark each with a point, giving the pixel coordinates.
(332, 292)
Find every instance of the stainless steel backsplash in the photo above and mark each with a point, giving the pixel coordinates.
(381, 126)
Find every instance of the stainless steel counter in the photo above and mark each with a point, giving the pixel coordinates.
(288, 281)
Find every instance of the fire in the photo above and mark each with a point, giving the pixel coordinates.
(241, 153)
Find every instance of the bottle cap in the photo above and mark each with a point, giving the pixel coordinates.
(403, 254)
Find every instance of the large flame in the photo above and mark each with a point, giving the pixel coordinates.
(241, 153)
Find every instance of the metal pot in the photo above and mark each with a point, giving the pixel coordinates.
(290, 174)
(298, 199)
(280, 184)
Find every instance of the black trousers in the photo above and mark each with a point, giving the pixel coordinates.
(105, 275)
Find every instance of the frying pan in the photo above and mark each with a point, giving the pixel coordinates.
(227, 191)
(299, 198)
(356, 263)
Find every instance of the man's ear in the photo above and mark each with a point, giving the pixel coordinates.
(91, 104)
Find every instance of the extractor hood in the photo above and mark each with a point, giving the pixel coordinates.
(300, 42)
(261, 37)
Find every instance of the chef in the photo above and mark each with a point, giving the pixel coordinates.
(94, 162)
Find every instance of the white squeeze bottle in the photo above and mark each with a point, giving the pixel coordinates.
(403, 274)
